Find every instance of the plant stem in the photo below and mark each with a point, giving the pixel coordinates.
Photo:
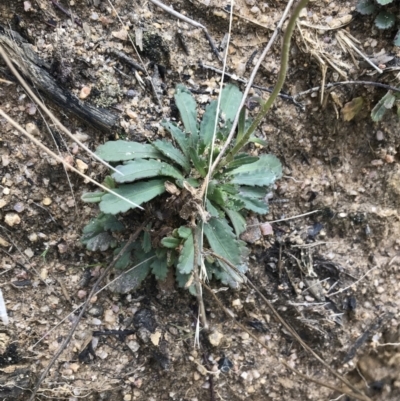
(197, 283)
(279, 83)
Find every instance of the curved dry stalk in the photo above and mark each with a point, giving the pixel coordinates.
(59, 159)
(249, 85)
(55, 120)
(293, 332)
(84, 307)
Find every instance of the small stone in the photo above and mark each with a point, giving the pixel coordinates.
(33, 237)
(133, 345)
(74, 367)
(96, 311)
(94, 16)
(32, 129)
(85, 92)
(28, 252)
(47, 201)
(44, 273)
(96, 322)
(266, 229)
(254, 10)
(11, 219)
(3, 242)
(2, 203)
(109, 316)
(81, 136)
(236, 302)
(81, 165)
(155, 338)
(215, 338)
(131, 114)
(62, 247)
(379, 136)
(196, 376)
(82, 294)
(5, 160)
(19, 207)
(121, 34)
(250, 2)
(127, 397)
(245, 336)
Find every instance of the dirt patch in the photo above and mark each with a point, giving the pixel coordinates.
(143, 342)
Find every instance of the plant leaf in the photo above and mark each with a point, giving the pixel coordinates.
(146, 243)
(170, 242)
(115, 151)
(230, 101)
(138, 193)
(385, 20)
(92, 197)
(131, 280)
(182, 279)
(253, 204)
(237, 220)
(241, 160)
(186, 257)
(207, 126)
(380, 108)
(184, 232)
(180, 137)
(174, 154)
(198, 162)
(252, 192)
(263, 172)
(259, 141)
(352, 108)
(365, 7)
(187, 109)
(222, 240)
(95, 235)
(384, 2)
(159, 266)
(142, 168)
(215, 212)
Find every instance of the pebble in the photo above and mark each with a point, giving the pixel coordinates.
(96, 322)
(32, 129)
(33, 237)
(109, 316)
(85, 92)
(3, 242)
(96, 310)
(81, 165)
(11, 219)
(215, 338)
(133, 345)
(47, 201)
(19, 207)
(82, 294)
(2, 203)
(254, 10)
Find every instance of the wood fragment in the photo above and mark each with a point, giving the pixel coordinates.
(29, 64)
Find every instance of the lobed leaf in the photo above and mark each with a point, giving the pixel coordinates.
(138, 193)
(231, 97)
(237, 220)
(174, 154)
(198, 162)
(366, 7)
(207, 126)
(187, 109)
(180, 137)
(186, 258)
(263, 172)
(385, 20)
(159, 267)
(142, 168)
(382, 106)
(115, 151)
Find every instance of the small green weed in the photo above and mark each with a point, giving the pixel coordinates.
(171, 174)
(384, 19)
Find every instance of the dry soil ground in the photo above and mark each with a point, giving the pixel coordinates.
(348, 170)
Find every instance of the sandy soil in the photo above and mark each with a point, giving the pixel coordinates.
(346, 171)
